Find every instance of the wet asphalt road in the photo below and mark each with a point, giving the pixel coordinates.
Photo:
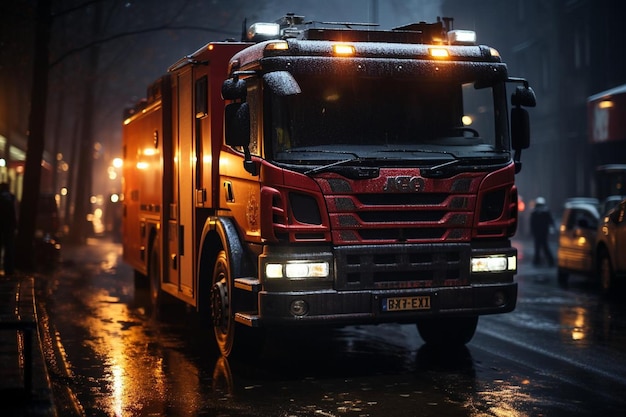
(562, 352)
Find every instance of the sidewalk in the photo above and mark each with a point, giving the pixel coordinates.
(25, 388)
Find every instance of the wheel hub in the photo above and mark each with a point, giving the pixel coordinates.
(219, 304)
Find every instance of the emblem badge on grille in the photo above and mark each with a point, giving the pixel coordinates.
(404, 183)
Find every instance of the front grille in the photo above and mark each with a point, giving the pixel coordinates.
(402, 266)
(403, 199)
(402, 234)
(401, 216)
(412, 211)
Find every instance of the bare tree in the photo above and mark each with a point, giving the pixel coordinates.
(79, 231)
(36, 125)
(177, 19)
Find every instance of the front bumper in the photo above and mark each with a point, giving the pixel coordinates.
(436, 278)
(352, 307)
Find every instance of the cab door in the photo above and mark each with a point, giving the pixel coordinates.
(181, 224)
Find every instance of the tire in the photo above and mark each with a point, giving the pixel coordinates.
(232, 339)
(222, 311)
(447, 331)
(605, 272)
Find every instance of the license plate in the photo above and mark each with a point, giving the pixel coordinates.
(421, 302)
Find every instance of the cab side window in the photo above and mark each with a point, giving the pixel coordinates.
(253, 100)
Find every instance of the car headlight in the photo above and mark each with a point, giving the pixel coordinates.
(297, 270)
(494, 263)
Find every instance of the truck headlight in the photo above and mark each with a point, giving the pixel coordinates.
(297, 270)
(494, 263)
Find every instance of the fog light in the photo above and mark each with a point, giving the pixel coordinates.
(499, 299)
(299, 308)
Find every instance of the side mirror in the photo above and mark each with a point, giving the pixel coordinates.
(523, 96)
(520, 128)
(237, 124)
(520, 134)
(234, 89)
(237, 132)
(520, 124)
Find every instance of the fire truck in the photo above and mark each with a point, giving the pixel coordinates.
(329, 174)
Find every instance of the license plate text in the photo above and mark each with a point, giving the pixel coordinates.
(406, 303)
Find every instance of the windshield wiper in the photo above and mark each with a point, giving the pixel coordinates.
(333, 164)
(355, 172)
(437, 171)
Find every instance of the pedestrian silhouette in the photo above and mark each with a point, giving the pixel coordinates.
(541, 225)
(8, 225)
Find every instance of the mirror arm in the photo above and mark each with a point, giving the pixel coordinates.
(248, 164)
(517, 159)
(524, 81)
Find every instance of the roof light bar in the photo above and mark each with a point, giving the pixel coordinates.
(277, 46)
(343, 49)
(262, 31)
(462, 37)
(438, 52)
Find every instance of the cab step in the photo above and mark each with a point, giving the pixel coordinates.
(250, 319)
(248, 284)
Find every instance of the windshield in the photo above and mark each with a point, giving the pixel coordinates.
(348, 118)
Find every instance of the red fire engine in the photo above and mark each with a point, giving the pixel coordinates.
(329, 174)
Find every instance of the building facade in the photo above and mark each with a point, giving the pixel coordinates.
(569, 50)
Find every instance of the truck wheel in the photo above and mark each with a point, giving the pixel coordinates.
(605, 271)
(447, 331)
(248, 342)
(221, 305)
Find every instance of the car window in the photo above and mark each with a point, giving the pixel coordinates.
(582, 219)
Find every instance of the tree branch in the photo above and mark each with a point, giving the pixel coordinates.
(132, 33)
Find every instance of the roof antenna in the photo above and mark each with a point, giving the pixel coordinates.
(244, 30)
(448, 23)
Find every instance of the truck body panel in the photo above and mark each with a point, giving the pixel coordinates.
(145, 131)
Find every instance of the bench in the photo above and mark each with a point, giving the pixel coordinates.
(18, 313)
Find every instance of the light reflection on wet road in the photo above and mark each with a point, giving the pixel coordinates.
(561, 352)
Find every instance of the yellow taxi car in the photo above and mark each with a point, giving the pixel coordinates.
(577, 238)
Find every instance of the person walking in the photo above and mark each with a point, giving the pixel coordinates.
(541, 226)
(8, 225)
